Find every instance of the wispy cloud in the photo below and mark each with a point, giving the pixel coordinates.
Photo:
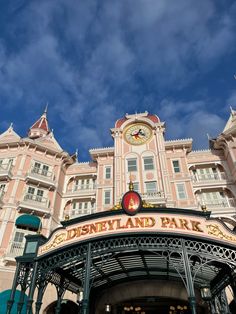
(191, 119)
(94, 61)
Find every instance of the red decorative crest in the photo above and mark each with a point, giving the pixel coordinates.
(131, 202)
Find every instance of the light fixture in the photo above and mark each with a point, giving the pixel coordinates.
(108, 308)
(205, 292)
(80, 295)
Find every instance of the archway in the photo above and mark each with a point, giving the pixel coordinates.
(67, 306)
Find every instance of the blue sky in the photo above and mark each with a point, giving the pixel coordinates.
(94, 61)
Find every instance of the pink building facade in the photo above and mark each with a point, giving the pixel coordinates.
(42, 185)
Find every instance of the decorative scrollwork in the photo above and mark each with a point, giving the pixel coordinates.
(215, 230)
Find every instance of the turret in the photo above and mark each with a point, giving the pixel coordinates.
(40, 128)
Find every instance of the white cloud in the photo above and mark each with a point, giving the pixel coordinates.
(82, 56)
(191, 119)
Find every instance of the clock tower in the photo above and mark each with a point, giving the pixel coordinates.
(139, 153)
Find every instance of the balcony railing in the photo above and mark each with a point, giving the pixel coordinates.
(209, 177)
(154, 197)
(81, 212)
(41, 175)
(15, 249)
(82, 189)
(221, 203)
(36, 199)
(42, 172)
(5, 170)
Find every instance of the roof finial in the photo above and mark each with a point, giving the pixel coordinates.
(46, 109)
(76, 154)
(11, 125)
(131, 185)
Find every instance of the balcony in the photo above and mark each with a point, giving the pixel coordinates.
(221, 205)
(213, 178)
(82, 190)
(15, 249)
(45, 177)
(35, 203)
(157, 198)
(5, 171)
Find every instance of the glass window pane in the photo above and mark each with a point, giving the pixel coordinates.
(181, 191)
(108, 172)
(107, 197)
(132, 165)
(151, 187)
(148, 163)
(176, 166)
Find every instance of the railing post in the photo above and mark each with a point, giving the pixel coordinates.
(85, 304)
(13, 290)
(189, 279)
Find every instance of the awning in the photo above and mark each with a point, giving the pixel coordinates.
(5, 296)
(28, 221)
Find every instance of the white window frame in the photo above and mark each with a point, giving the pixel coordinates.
(107, 173)
(176, 167)
(128, 166)
(151, 190)
(178, 191)
(148, 164)
(38, 193)
(41, 168)
(106, 197)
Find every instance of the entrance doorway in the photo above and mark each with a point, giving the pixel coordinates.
(153, 305)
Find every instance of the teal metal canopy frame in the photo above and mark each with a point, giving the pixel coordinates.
(96, 263)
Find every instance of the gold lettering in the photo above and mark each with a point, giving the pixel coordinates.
(71, 233)
(85, 230)
(195, 226)
(184, 224)
(173, 223)
(93, 228)
(149, 222)
(101, 226)
(119, 226)
(165, 221)
(129, 223)
(111, 224)
(139, 222)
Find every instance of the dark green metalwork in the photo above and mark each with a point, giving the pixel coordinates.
(85, 303)
(101, 262)
(189, 279)
(13, 290)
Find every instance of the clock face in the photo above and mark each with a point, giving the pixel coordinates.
(138, 134)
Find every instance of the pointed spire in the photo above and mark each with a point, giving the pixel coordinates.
(76, 154)
(40, 127)
(46, 109)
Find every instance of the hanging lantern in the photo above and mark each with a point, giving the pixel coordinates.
(205, 293)
(108, 308)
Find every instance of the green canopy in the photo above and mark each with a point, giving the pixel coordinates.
(28, 221)
(5, 296)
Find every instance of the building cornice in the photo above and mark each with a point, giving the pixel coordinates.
(99, 152)
(183, 143)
